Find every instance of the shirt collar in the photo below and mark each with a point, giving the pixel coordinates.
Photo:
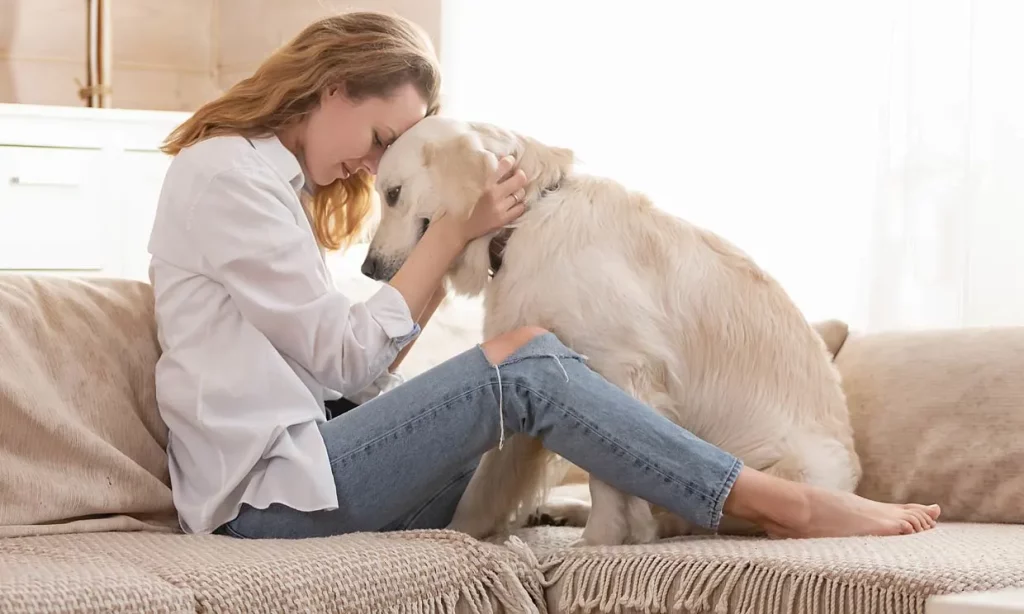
(282, 160)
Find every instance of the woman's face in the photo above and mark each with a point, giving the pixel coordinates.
(342, 136)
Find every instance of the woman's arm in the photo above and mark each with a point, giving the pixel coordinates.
(240, 232)
(435, 302)
(445, 238)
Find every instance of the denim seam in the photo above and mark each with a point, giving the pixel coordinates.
(517, 359)
(727, 484)
(608, 438)
(421, 416)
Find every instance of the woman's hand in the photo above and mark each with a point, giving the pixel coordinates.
(499, 205)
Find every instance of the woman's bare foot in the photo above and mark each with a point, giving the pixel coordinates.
(790, 509)
(828, 513)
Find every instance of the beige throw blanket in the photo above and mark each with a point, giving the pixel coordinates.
(82, 447)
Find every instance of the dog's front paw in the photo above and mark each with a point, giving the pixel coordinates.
(603, 533)
(642, 531)
(474, 527)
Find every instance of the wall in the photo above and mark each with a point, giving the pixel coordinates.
(163, 52)
(168, 55)
(42, 51)
(239, 50)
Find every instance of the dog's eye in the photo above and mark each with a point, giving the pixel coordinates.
(392, 195)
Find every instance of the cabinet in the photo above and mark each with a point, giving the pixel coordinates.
(79, 187)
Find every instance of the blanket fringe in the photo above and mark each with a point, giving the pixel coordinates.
(498, 592)
(534, 589)
(504, 588)
(654, 584)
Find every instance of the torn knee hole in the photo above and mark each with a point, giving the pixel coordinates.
(498, 349)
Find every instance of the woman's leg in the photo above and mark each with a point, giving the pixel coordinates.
(395, 454)
(783, 507)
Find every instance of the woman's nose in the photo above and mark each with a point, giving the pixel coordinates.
(370, 163)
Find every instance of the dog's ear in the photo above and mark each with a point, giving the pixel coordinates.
(496, 140)
(459, 167)
(543, 164)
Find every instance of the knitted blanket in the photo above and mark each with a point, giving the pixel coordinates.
(887, 575)
(425, 572)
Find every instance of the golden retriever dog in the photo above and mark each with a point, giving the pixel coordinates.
(568, 501)
(669, 312)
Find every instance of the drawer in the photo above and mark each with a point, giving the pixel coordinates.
(139, 199)
(51, 216)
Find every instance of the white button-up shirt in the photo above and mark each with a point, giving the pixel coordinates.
(254, 336)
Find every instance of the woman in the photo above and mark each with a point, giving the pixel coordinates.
(256, 341)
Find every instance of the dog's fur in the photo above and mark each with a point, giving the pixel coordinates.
(670, 312)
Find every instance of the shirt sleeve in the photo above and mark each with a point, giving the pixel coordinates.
(379, 386)
(271, 268)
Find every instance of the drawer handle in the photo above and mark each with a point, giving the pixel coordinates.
(16, 180)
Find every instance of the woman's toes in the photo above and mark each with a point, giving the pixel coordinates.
(932, 511)
(929, 522)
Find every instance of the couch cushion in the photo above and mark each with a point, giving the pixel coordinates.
(83, 444)
(938, 416)
(427, 571)
(892, 575)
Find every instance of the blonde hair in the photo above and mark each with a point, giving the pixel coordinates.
(368, 54)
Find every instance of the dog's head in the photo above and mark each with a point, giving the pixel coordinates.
(440, 166)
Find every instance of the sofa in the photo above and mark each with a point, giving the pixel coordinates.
(87, 524)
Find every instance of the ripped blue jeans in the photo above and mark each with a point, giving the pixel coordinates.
(403, 459)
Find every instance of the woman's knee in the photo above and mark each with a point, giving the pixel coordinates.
(501, 347)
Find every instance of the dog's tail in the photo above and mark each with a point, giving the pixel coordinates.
(833, 333)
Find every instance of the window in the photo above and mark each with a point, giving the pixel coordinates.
(869, 155)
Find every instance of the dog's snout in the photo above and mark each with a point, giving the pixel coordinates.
(371, 267)
(376, 268)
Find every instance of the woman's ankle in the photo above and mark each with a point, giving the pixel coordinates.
(766, 500)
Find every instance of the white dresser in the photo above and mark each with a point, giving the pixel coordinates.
(78, 188)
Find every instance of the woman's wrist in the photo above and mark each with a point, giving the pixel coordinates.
(452, 231)
(426, 266)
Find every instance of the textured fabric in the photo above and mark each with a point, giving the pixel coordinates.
(938, 416)
(54, 574)
(435, 572)
(254, 334)
(82, 444)
(891, 575)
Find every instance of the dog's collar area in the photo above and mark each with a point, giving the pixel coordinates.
(551, 188)
(496, 249)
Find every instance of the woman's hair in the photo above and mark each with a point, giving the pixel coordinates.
(367, 54)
